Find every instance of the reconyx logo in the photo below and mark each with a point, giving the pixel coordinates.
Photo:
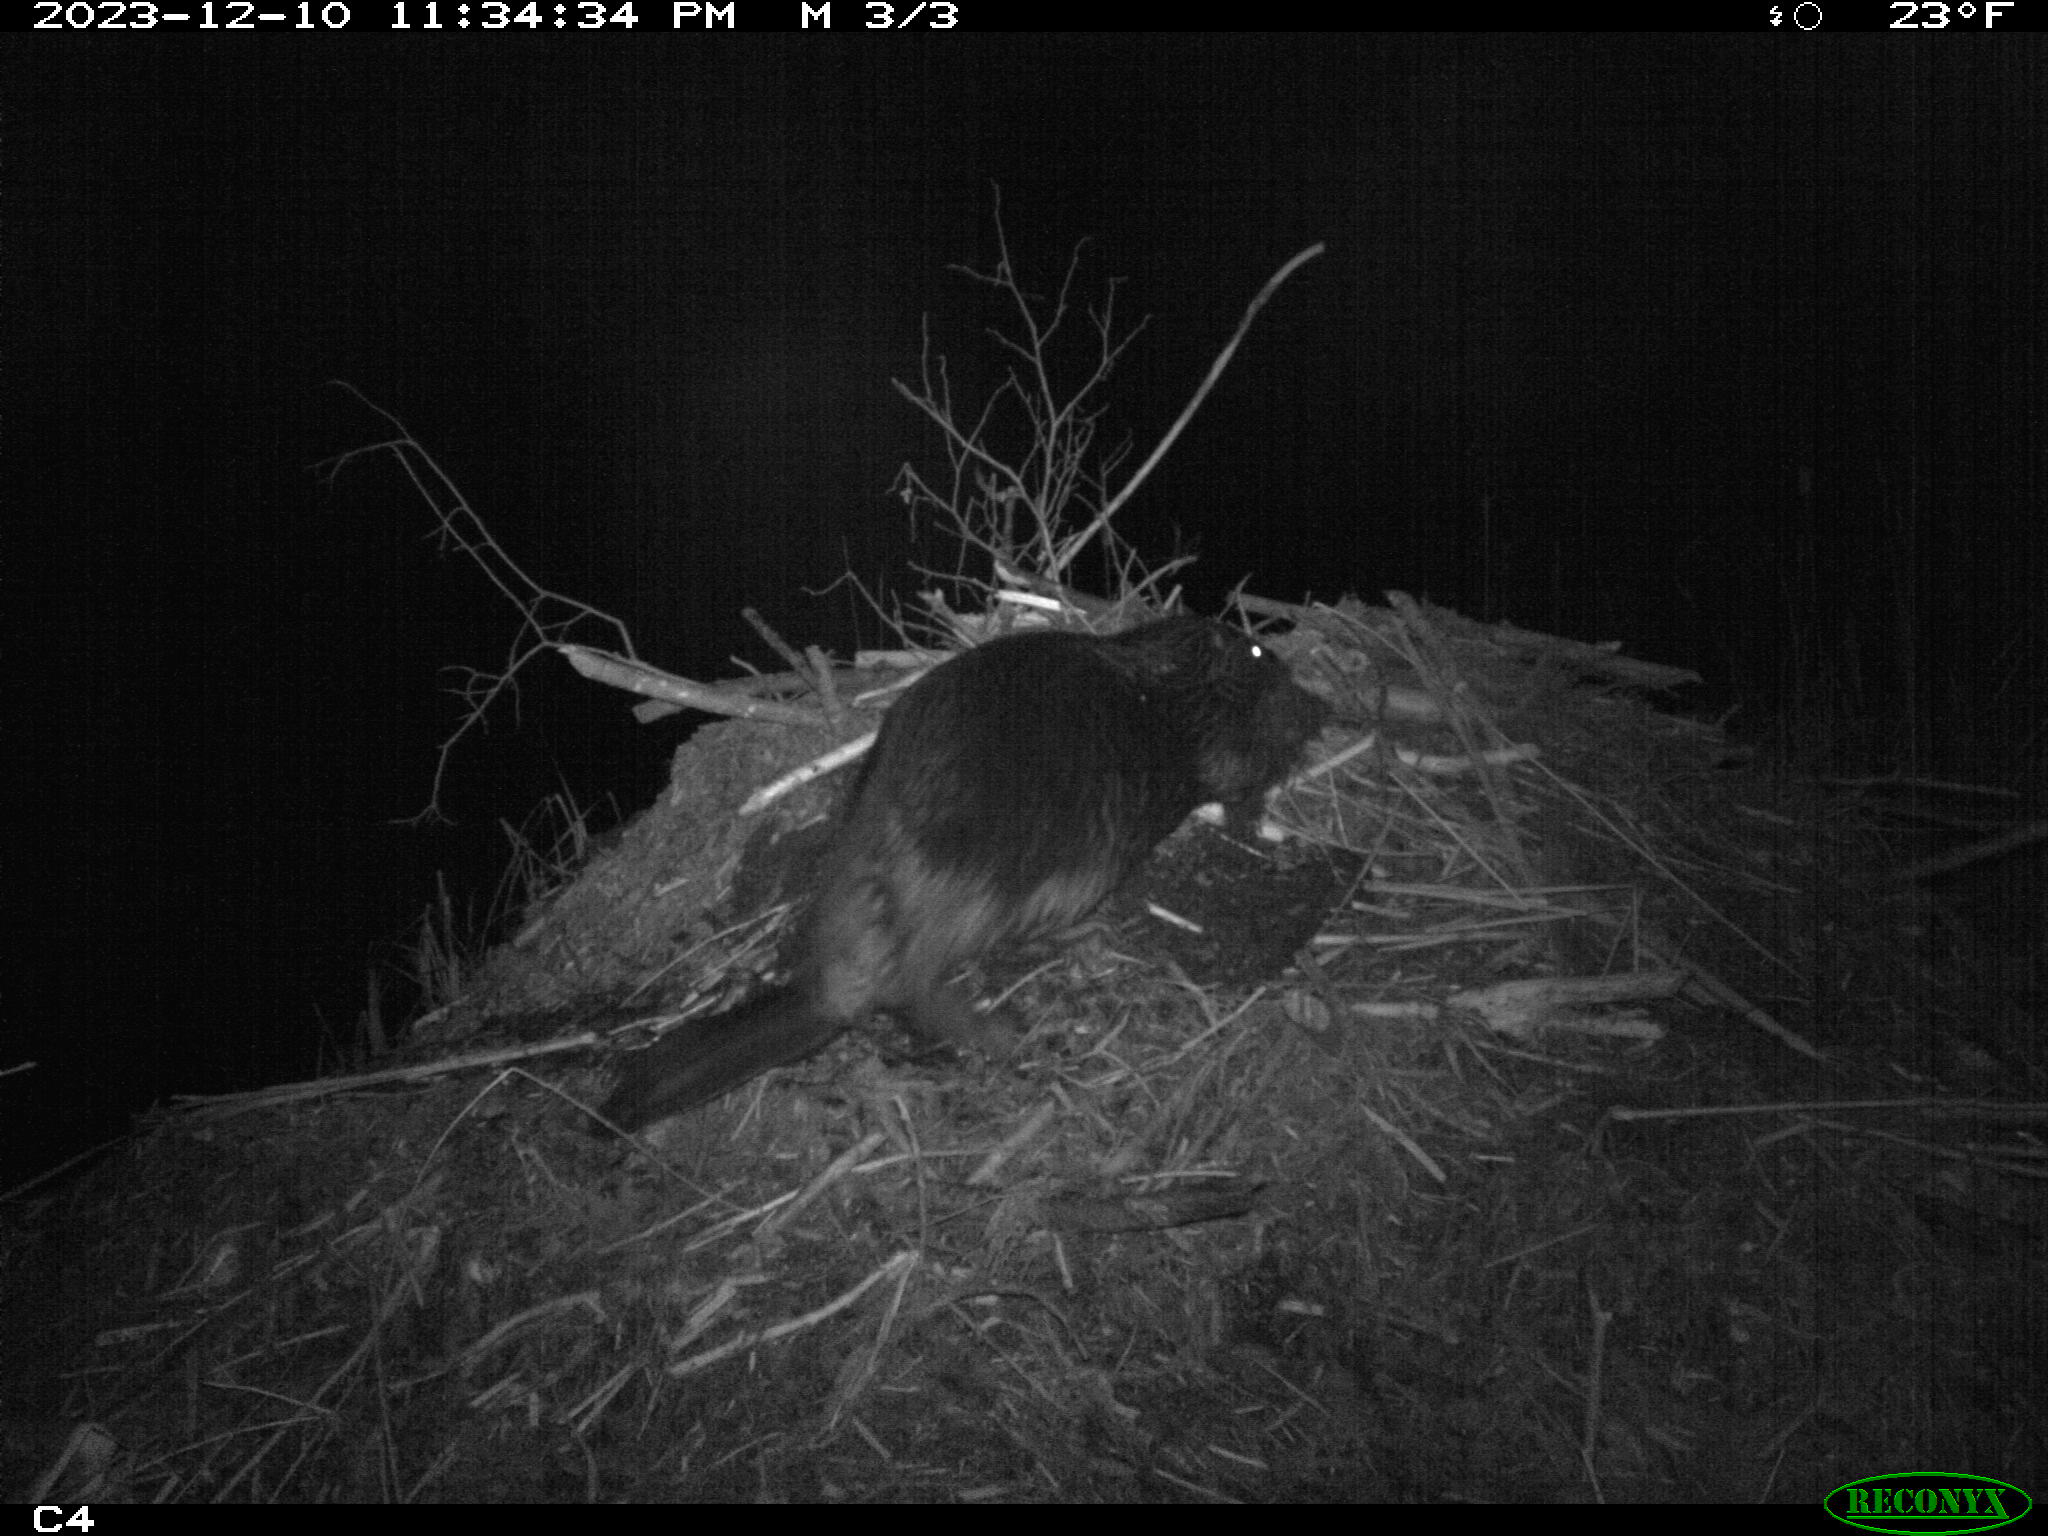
(1925, 1503)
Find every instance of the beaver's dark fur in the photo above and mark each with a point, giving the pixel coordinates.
(1007, 793)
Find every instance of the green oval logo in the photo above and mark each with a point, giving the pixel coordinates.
(1948, 1503)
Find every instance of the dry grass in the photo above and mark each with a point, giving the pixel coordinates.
(1426, 1216)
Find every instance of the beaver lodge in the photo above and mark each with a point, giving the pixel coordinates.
(1567, 1108)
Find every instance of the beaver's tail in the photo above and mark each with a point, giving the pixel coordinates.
(706, 1057)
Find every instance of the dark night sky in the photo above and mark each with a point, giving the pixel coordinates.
(1698, 343)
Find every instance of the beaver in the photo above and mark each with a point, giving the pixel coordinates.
(1007, 793)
